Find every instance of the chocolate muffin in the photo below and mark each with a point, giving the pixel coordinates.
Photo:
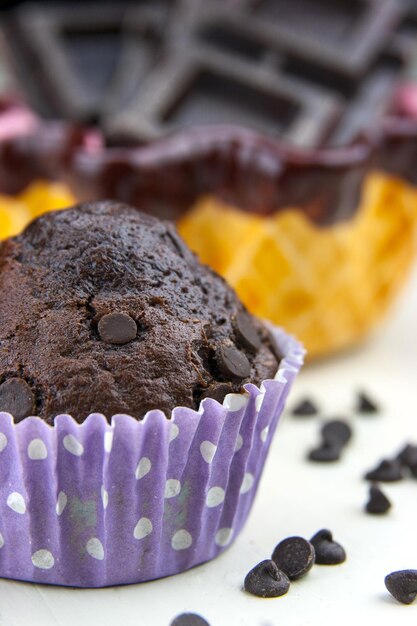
(105, 309)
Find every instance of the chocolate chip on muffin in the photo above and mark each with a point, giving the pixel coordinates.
(246, 332)
(107, 310)
(16, 397)
(117, 328)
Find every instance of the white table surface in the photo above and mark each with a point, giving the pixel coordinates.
(295, 497)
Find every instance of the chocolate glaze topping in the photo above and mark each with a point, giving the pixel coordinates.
(249, 170)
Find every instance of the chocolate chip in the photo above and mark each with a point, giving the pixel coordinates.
(117, 328)
(217, 391)
(378, 503)
(16, 398)
(408, 456)
(266, 581)
(275, 347)
(189, 619)
(328, 552)
(325, 453)
(246, 332)
(365, 405)
(294, 556)
(305, 408)
(337, 432)
(232, 362)
(387, 471)
(402, 585)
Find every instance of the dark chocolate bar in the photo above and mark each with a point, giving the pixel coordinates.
(83, 60)
(312, 72)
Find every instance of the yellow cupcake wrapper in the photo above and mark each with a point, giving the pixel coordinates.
(327, 285)
(40, 197)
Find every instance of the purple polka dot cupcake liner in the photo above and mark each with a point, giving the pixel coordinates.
(99, 504)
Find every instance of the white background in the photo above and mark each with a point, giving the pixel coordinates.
(295, 497)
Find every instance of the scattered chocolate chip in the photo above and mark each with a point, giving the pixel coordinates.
(328, 552)
(266, 581)
(336, 432)
(387, 471)
(378, 503)
(232, 362)
(16, 398)
(335, 435)
(117, 328)
(189, 619)
(246, 332)
(294, 556)
(305, 408)
(408, 456)
(365, 404)
(217, 391)
(402, 585)
(326, 453)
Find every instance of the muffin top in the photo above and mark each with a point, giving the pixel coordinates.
(105, 309)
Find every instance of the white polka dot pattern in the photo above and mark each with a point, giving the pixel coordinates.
(95, 549)
(239, 442)
(143, 468)
(73, 446)
(224, 537)
(43, 559)
(264, 434)
(1, 541)
(61, 503)
(16, 502)
(172, 488)
(181, 540)
(208, 450)
(235, 401)
(247, 483)
(259, 400)
(174, 432)
(215, 496)
(143, 528)
(37, 450)
(3, 441)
